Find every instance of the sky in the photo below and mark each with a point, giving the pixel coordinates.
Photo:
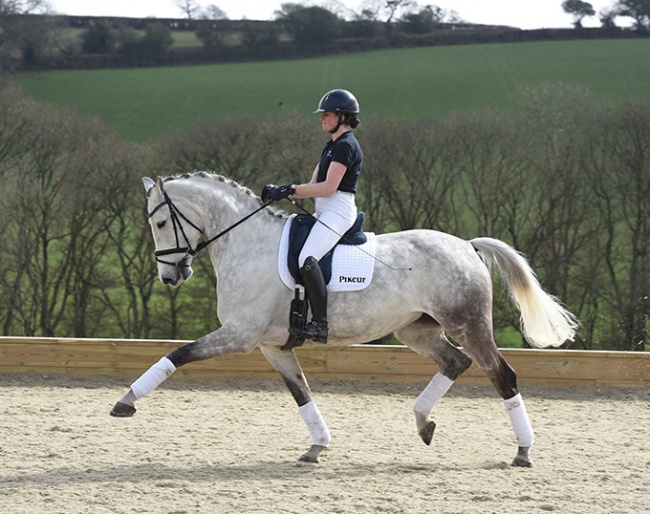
(524, 14)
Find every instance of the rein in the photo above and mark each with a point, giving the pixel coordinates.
(176, 217)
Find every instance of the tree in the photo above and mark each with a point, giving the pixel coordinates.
(189, 7)
(98, 38)
(313, 28)
(561, 221)
(579, 10)
(618, 171)
(607, 17)
(424, 20)
(637, 9)
(209, 37)
(260, 35)
(414, 170)
(157, 38)
(392, 6)
(365, 23)
(213, 12)
(28, 35)
(153, 44)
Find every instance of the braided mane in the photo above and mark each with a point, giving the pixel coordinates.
(238, 187)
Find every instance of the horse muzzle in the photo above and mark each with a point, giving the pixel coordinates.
(174, 275)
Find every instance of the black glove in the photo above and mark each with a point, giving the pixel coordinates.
(275, 193)
(266, 192)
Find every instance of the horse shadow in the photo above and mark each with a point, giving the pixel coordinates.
(171, 476)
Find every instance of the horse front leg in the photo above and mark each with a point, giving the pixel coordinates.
(220, 342)
(287, 365)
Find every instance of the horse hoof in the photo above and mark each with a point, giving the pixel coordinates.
(522, 460)
(122, 410)
(312, 455)
(426, 433)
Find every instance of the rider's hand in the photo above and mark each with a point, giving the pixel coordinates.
(274, 193)
(266, 192)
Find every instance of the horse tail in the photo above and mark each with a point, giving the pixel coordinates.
(544, 321)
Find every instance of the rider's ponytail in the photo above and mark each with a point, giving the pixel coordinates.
(352, 121)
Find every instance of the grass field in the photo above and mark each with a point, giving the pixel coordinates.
(415, 83)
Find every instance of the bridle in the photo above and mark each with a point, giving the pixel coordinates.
(176, 217)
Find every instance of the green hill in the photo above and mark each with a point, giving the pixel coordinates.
(405, 83)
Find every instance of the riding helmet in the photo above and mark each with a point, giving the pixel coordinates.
(338, 100)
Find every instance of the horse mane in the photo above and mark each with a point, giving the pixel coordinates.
(243, 190)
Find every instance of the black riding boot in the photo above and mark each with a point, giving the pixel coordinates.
(312, 278)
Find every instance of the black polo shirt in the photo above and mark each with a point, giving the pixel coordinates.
(345, 150)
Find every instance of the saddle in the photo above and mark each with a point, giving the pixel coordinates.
(299, 230)
(298, 233)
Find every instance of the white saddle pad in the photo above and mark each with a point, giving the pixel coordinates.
(352, 266)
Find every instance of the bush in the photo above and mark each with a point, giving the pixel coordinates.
(98, 38)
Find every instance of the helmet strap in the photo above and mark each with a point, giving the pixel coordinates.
(338, 125)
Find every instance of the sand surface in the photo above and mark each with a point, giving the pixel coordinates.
(232, 445)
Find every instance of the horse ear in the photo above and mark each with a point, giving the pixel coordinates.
(148, 184)
(161, 184)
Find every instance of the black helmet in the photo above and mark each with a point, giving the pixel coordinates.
(338, 100)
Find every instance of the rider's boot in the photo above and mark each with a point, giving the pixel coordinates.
(312, 278)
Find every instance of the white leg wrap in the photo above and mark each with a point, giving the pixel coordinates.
(519, 420)
(434, 390)
(310, 414)
(152, 378)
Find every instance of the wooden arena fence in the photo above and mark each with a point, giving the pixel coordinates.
(360, 362)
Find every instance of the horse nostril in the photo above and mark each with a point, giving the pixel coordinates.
(168, 281)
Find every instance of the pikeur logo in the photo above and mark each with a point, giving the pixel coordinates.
(359, 280)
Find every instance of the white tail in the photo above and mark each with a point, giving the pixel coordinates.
(544, 321)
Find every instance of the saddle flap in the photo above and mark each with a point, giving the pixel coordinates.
(346, 268)
(301, 225)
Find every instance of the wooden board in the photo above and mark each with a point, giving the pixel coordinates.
(361, 362)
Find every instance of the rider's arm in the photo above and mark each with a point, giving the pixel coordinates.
(314, 189)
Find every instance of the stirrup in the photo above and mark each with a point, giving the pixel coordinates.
(316, 331)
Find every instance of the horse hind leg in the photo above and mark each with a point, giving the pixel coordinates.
(504, 379)
(426, 337)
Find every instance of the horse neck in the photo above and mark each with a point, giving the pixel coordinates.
(219, 204)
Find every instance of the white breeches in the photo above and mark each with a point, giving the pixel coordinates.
(335, 215)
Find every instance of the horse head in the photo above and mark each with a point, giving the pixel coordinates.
(175, 236)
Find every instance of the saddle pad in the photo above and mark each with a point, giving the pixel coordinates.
(352, 266)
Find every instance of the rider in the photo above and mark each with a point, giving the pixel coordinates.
(334, 185)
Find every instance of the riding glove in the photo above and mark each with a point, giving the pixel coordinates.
(274, 193)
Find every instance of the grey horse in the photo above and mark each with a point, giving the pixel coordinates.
(427, 286)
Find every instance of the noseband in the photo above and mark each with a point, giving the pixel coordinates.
(176, 217)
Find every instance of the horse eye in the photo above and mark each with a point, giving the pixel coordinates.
(161, 224)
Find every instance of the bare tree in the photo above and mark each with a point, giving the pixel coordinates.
(27, 35)
(414, 168)
(618, 170)
(523, 184)
(190, 8)
(392, 7)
